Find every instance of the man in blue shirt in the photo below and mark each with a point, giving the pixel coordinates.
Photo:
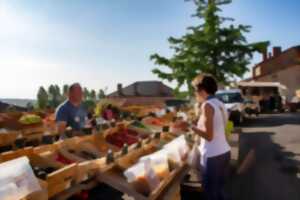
(71, 112)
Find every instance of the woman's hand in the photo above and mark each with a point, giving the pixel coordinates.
(195, 129)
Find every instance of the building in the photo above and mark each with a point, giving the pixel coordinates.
(280, 66)
(143, 93)
(4, 107)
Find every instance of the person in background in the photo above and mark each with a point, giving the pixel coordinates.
(108, 113)
(213, 148)
(278, 102)
(71, 113)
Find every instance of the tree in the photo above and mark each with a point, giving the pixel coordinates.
(58, 95)
(65, 91)
(42, 98)
(213, 47)
(101, 94)
(93, 95)
(86, 93)
(54, 95)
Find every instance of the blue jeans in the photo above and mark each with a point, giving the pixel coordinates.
(214, 175)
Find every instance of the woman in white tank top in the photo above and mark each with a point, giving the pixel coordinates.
(213, 148)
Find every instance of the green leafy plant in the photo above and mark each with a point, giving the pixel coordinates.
(215, 46)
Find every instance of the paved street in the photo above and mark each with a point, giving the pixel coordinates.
(274, 174)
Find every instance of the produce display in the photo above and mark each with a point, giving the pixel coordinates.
(140, 127)
(150, 170)
(75, 150)
(140, 176)
(142, 170)
(139, 124)
(122, 137)
(153, 121)
(179, 126)
(30, 119)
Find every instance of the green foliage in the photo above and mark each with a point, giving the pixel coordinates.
(65, 91)
(54, 95)
(101, 94)
(86, 93)
(89, 104)
(213, 47)
(93, 95)
(181, 94)
(42, 98)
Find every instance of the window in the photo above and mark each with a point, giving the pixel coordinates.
(257, 71)
(230, 97)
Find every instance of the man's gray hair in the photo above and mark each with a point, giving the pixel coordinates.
(73, 86)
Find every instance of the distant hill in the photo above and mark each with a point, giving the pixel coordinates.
(18, 102)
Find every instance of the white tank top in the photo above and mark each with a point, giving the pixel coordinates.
(219, 144)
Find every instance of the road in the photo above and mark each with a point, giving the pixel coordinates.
(275, 174)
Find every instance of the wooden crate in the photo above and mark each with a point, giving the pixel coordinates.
(59, 180)
(39, 195)
(6, 156)
(33, 134)
(86, 170)
(45, 148)
(116, 179)
(8, 138)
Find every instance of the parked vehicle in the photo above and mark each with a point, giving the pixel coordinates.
(295, 103)
(234, 104)
(251, 107)
(271, 96)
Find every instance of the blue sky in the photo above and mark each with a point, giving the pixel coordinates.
(102, 42)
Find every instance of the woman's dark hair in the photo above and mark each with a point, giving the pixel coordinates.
(205, 82)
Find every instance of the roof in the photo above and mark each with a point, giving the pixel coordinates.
(261, 84)
(297, 48)
(5, 106)
(286, 59)
(144, 89)
(18, 102)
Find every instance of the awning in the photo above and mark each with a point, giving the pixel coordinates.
(262, 84)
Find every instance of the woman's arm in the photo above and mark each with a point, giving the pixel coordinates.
(208, 122)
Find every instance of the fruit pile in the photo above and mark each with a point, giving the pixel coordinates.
(30, 119)
(125, 136)
(153, 121)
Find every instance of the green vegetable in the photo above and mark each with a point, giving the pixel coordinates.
(30, 119)
(138, 125)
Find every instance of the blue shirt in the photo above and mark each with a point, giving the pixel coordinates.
(74, 116)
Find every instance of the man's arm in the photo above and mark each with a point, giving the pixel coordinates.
(61, 127)
(61, 119)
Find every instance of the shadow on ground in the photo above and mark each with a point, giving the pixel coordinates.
(273, 175)
(272, 120)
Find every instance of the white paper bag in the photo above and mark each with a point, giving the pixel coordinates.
(194, 155)
(17, 179)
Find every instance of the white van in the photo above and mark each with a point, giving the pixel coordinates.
(234, 104)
